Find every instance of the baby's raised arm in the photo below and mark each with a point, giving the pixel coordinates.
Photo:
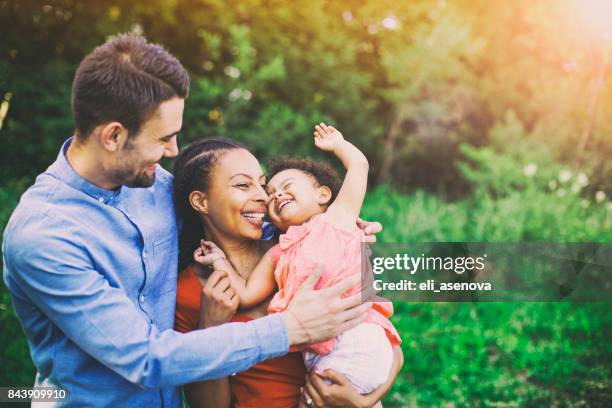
(347, 205)
(252, 291)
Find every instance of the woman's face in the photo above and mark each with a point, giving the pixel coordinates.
(236, 198)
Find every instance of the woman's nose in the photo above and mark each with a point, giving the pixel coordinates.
(260, 194)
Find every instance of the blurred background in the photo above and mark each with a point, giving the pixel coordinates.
(482, 120)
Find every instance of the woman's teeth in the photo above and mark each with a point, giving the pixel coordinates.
(254, 216)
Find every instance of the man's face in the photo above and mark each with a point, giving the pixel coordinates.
(135, 163)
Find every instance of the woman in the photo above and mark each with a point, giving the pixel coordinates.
(219, 194)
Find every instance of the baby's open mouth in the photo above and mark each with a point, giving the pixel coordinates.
(282, 204)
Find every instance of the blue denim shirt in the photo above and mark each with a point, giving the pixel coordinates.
(92, 274)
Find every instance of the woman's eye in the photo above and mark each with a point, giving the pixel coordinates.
(242, 185)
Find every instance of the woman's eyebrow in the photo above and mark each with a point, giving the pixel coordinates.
(241, 174)
(245, 175)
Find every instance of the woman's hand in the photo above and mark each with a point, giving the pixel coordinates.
(317, 393)
(340, 393)
(219, 300)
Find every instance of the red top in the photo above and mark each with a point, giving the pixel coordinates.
(274, 383)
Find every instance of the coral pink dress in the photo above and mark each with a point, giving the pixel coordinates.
(338, 251)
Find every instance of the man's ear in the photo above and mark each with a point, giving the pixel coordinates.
(198, 201)
(112, 136)
(324, 195)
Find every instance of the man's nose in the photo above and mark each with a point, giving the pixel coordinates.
(171, 148)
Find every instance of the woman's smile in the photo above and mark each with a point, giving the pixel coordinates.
(255, 216)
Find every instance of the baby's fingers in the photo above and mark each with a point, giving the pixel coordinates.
(208, 246)
(199, 256)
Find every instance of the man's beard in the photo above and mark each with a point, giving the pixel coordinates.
(125, 175)
(127, 178)
(142, 180)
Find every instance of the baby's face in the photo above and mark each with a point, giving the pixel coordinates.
(294, 197)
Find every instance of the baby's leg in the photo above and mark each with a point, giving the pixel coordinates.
(363, 354)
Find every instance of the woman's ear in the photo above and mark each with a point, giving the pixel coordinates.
(198, 202)
(112, 136)
(324, 195)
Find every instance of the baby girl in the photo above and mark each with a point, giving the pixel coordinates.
(318, 221)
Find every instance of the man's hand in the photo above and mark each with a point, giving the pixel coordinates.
(219, 300)
(370, 229)
(317, 315)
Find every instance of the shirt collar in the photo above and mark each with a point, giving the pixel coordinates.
(63, 171)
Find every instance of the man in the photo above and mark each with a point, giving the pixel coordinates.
(90, 253)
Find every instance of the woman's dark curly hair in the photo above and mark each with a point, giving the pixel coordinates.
(192, 171)
(323, 173)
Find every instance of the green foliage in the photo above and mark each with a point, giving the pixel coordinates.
(17, 367)
(408, 82)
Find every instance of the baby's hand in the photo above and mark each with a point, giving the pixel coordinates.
(209, 254)
(327, 138)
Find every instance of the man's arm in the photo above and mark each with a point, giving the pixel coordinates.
(59, 279)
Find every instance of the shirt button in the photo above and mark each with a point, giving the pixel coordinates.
(144, 255)
(101, 199)
(142, 298)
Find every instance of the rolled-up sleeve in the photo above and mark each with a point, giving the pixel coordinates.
(59, 278)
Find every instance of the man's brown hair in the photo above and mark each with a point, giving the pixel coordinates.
(124, 80)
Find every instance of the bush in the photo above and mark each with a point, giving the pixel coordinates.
(17, 366)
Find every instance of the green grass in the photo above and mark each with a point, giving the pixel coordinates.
(498, 354)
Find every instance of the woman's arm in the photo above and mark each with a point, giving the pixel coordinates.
(347, 205)
(217, 306)
(341, 393)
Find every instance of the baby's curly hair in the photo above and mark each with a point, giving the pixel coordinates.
(323, 173)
